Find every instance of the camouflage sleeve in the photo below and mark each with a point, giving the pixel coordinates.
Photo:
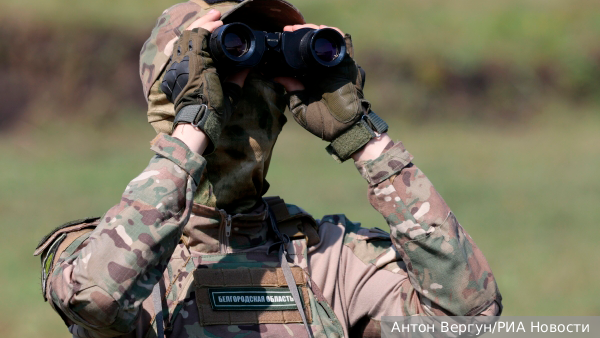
(446, 269)
(101, 283)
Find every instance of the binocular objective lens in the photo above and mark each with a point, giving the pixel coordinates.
(326, 50)
(235, 45)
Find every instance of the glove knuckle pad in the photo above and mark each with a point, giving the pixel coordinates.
(180, 84)
(343, 103)
(176, 79)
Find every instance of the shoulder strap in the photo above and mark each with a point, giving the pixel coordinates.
(295, 225)
(287, 271)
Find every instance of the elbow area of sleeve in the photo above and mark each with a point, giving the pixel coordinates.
(97, 311)
(495, 309)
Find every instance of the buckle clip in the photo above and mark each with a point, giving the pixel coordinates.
(376, 123)
(199, 115)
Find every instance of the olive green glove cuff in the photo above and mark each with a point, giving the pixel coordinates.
(353, 139)
(205, 119)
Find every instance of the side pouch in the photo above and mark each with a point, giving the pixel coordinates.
(58, 240)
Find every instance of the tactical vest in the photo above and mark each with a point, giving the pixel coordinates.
(232, 292)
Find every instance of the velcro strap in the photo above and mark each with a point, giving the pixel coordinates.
(350, 141)
(353, 139)
(243, 276)
(195, 114)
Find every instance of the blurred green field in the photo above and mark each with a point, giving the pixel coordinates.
(525, 186)
(528, 195)
(461, 60)
(465, 30)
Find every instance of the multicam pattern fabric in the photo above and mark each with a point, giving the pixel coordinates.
(103, 282)
(424, 230)
(180, 215)
(385, 166)
(236, 171)
(428, 266)
(158, 48)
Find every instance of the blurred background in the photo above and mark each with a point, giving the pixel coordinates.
(499, 101)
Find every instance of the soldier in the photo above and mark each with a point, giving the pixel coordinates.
(194, 250)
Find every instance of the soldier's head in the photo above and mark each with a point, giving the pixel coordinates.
(235, 173)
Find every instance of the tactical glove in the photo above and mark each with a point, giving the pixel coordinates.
(333, 108)
(191, 82)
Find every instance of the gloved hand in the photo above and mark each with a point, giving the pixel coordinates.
(330, 104)
(191, 82)
(332, 101)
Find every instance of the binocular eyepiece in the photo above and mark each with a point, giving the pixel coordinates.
(288, 53)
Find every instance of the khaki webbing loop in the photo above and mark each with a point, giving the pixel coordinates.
(278, 207)
(287, 272)
(296, 226)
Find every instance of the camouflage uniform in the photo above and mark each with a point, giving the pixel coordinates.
(99, 273)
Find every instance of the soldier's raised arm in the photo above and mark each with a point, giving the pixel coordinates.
(100, 283)
(447, 273)
(429, 265)
(100, 280)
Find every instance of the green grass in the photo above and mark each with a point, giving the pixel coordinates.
(528, 195)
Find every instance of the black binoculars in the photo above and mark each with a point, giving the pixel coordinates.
(306, 50)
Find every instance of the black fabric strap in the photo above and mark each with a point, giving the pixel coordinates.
(357, 136)
(376, 122)
(194, 114)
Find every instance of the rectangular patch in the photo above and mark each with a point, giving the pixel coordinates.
(266, 296)
(252, 298)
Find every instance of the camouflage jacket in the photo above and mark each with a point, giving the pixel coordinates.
(100, 281)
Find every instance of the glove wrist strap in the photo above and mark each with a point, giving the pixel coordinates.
(198, 115)
(353, 139)
(195, 114)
